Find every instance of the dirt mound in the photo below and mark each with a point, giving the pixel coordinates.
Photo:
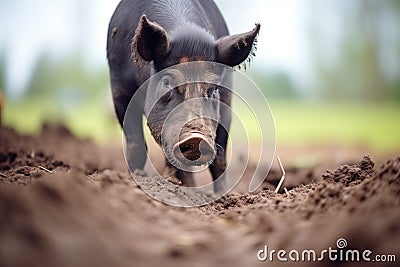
(354, 174)
(80, 207)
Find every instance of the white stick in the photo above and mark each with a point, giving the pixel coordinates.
(283, 176)
(280, 164)
(286, 191)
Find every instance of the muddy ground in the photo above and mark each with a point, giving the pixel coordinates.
(70, 202)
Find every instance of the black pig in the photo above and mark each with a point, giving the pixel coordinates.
(147, 36)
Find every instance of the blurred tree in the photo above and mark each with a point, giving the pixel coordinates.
(274, 84)
(2, 71)
(2, 84)
(395, 85)
(395, 4)
(355, 63)
(65, 85)
(54, 77)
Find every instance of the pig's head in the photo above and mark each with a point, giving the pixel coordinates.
(197, 119)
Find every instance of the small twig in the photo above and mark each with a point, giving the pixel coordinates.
(280, 164)
(286, 191)
(283, 176)
(3, 175)
(44, 169)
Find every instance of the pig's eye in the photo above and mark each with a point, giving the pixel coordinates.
(166, 82)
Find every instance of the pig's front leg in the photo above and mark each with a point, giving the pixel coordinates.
(133, 130)
(177, 176)
(218, 166)
(135, 145)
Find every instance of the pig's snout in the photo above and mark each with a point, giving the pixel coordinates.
(194, 148)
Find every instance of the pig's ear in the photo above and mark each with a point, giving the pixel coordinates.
(150, 41)
(235, 49)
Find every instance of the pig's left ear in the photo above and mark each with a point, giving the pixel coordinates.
(234, 49)
(150, 41)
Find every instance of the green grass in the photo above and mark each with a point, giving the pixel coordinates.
(375, 125)
(93, 120)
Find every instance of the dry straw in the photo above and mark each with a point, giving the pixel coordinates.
(283, 176)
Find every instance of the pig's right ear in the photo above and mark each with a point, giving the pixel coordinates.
(150, 41)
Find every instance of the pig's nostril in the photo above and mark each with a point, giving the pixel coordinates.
(184, 148)
(190, 149)
(195, 149)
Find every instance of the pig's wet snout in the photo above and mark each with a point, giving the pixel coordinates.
(194, 149)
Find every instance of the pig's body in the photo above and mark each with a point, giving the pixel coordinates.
(171, 32)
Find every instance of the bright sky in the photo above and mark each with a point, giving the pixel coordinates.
(30, 28)
(282, 37)
(55, 27)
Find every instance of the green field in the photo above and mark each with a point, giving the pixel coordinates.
(374, 125)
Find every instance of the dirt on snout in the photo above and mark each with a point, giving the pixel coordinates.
(69, 202)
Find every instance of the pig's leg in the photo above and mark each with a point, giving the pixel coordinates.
(178, 176)
(218, 166)
(135, 142)
(170, 173)
(186, 178)
(135, 145)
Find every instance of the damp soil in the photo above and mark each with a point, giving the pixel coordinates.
(70, 202)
